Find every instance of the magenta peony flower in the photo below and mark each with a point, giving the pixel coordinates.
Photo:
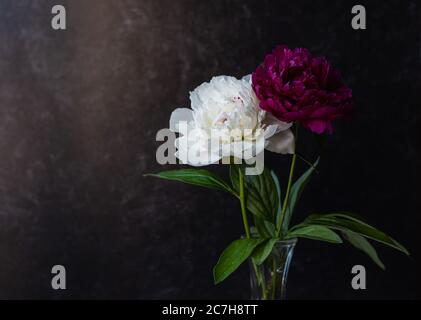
(295, 86)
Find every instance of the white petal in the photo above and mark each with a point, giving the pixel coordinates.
(194, 153)
(180, 115)
(283, 142)
(271, 130)
(247, 78)
(236, 149)
(260, 144)
(248, 149)
(270, 120)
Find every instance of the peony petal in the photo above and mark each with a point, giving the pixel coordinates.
(246, 149)
(293, 85)
(260, 145)
(194, 153)
(179, 115)
(271, 130)
(271, 120)
(236, 149)
(247, 78)
(316, 125)
(283, 142)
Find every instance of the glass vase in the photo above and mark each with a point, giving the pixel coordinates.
(268, 280)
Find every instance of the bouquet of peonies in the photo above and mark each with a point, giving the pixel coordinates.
(232, 121)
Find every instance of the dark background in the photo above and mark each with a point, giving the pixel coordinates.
(79, 110)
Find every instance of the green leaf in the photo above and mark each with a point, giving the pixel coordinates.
(234, 176)
(307, 162)
(262, 196)
(233, 256)
(263, 250)
(278, 190)
(315, 232)
(264, 228)
(350, 223)
(345, 215)
(261, 193)
(197, 177)
(362, 244)
(296, 191)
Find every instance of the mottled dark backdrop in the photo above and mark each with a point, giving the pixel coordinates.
(79, 110)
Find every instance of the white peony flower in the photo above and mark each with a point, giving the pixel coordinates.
(225, 121)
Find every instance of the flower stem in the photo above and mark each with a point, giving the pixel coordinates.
(243, 203)
(247, 228)
(274, 280)
(291, 175)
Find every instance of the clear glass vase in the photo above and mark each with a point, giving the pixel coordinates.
(268, 280)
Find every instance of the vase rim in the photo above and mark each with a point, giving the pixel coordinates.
(284, 242)
(287, 242)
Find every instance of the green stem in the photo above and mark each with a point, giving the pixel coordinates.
(264, 294)
(247, 228)
(243, 203)
(274, 276)
(291, 175)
